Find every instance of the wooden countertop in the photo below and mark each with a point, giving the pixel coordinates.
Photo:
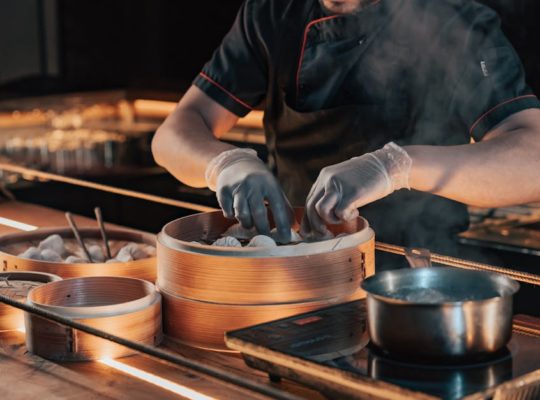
(25, 376)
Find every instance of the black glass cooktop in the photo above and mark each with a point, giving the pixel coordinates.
(329, 349)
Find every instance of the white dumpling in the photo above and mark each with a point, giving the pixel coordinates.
(33, 253)
(227, 241)
(295, 236)
(112, 260)
(50, 255)
(239, 232)
(149, 250)
(54, 243)
(130, 252)
(342, 235)
(96, 252)
(262, 241)
(76, 260)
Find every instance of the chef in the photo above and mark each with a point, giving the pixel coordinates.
(406, 109)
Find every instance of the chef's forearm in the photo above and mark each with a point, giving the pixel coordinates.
(497, 172)
(186, 141)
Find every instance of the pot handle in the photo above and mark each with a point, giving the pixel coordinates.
(418, 258)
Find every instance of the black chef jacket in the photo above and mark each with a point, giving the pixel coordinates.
(432, 72)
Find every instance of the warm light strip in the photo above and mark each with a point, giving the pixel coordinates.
(16, 224)
(155, 380)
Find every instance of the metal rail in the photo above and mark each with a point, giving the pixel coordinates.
(154, 352)
(524, 277)
(28, 172)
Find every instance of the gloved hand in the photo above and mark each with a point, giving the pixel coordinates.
(242, 182)
(341, 188)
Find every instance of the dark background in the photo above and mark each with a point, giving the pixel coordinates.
(162, 44)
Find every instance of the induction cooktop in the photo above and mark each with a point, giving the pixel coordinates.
(329, 350)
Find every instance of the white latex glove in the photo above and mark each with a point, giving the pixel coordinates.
(341, 188)
(242, 183)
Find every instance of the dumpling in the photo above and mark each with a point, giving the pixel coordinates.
(262, 241)
(130, 252)
(54, 243)
(239, 232)
(50, 255)
(76, 260)
(149, 250)
(33, 253)
(227, 241)
(96, 253)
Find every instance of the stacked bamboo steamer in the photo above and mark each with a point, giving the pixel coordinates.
(208, 290)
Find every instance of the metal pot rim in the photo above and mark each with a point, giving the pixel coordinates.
(511, 286)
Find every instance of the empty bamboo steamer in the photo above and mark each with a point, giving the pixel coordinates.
(127, 307)
(13, 244)
(16, 285)
(208, 290)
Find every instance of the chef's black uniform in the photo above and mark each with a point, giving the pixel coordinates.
(432, 72)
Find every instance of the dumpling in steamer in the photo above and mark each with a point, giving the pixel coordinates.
(130, 252)
(227, 241)
(76, 260)
(32, 253)
(96, 253)
(239, 232)
(51, 256)
(262, 241)
(54, 243)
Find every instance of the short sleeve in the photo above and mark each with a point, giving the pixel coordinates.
(236, 75)
(489, 81)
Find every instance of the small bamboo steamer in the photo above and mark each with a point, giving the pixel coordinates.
(127, 307)
(284, 274)
(203, 325)
(16, 243)
(17, 285)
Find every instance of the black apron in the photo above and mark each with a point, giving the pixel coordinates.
(302, 143)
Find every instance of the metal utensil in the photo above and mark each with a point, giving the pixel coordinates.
(77, 235)
(439, 312)
(99, 218)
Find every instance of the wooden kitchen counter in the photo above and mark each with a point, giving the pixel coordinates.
(25, 376)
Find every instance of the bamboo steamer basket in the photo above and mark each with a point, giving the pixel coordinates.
(284, 274)
(17, 285)
(127, 307)
(16, 243)
(203, 325)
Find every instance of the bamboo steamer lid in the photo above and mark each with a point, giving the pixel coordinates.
(127, 307)
(202, 324)
(17, 285)
(16, 243)
(284, 274)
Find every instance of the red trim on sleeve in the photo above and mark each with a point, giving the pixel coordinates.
(306, 31)
(232, 96)
(475, 124)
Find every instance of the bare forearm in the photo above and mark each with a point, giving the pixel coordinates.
(497, 172)
(187, 140)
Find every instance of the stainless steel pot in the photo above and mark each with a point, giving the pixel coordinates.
(439, 312)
